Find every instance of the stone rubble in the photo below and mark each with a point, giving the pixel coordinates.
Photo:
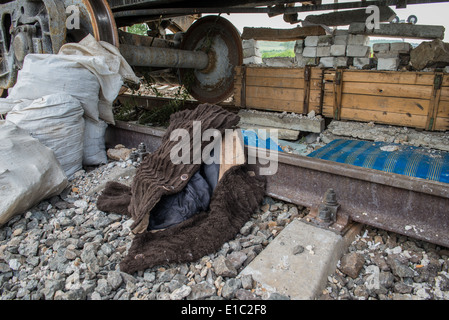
(66, 249)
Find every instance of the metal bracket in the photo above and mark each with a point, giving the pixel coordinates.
(325, 215)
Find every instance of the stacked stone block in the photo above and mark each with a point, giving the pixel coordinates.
(251, 52)
(392, 56)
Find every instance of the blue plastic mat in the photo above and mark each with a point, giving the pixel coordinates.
(251, 138)
(388, 157)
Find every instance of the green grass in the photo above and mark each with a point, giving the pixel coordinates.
(286, 53)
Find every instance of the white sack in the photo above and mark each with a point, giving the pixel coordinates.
(106, 62)
(94, 144)
(57, 122)
(29, 172)
(46, 74)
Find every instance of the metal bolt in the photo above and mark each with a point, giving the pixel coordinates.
(324, 213)
(330, 198)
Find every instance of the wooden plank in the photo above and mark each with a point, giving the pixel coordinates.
(445, 94)
(443, 110)
(398, 119)
(442, 124)
(272, 82)
(270, 34)
(394, 77)
(388, 90)
(283, 94)
(390, 118)
(274, 104)
(296, 73)
(385, 104)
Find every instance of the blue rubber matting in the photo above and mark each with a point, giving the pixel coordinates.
(389, 157)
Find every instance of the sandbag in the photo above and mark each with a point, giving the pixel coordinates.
(46, 74)
(106, 62)
(57, 122)
(29, 172)
(94, 144)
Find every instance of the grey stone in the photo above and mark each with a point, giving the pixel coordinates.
(223, 267)
(201, 291)
(252, 60)
(180, 293)
(311, 41)
(351, 264)
(325, 40)
(324, 51)
(358, 40)
(341, 40)
(358, 51)
(230, 288)
(400, 46)
(391, 64)
(434, 54)
(338, 50)
(380, 47)
(362, 63)
(114, 279)
(310, 52)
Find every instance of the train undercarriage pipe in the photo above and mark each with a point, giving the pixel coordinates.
(139, 56)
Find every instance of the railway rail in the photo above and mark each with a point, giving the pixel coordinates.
(405, 205)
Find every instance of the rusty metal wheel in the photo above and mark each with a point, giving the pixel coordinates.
(222, 42)
(96, 18)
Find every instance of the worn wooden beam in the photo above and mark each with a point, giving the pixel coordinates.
(343, 18)
(399, 30)
(269, 34)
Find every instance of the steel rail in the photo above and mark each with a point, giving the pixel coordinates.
(405, 205)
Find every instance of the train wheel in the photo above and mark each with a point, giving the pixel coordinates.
(96, 18)
(222, 42)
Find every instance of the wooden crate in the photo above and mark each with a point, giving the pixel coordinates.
(297, 90)
(411, 99)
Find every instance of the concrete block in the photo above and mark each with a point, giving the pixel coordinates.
(252, 60)
(358, 51)
(309, 52)
(327, 62)
(381, 47)
(343, 39)
(311, 41)
(282, 121)
(361, 63)
(391, 64)
(341, 32)
(338, 50)
(299, 46)
(334, 62)
(251, 51)
(279, 62)
(325, 40)
(358, 39)
(323, 51)
(250, 44)
(400, 46)
(400, 30)
(302, 61)
(386, 55)
(301, 276)
(283, 134)
(341, 62)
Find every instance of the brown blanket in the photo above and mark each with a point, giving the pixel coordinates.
(235, 198)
